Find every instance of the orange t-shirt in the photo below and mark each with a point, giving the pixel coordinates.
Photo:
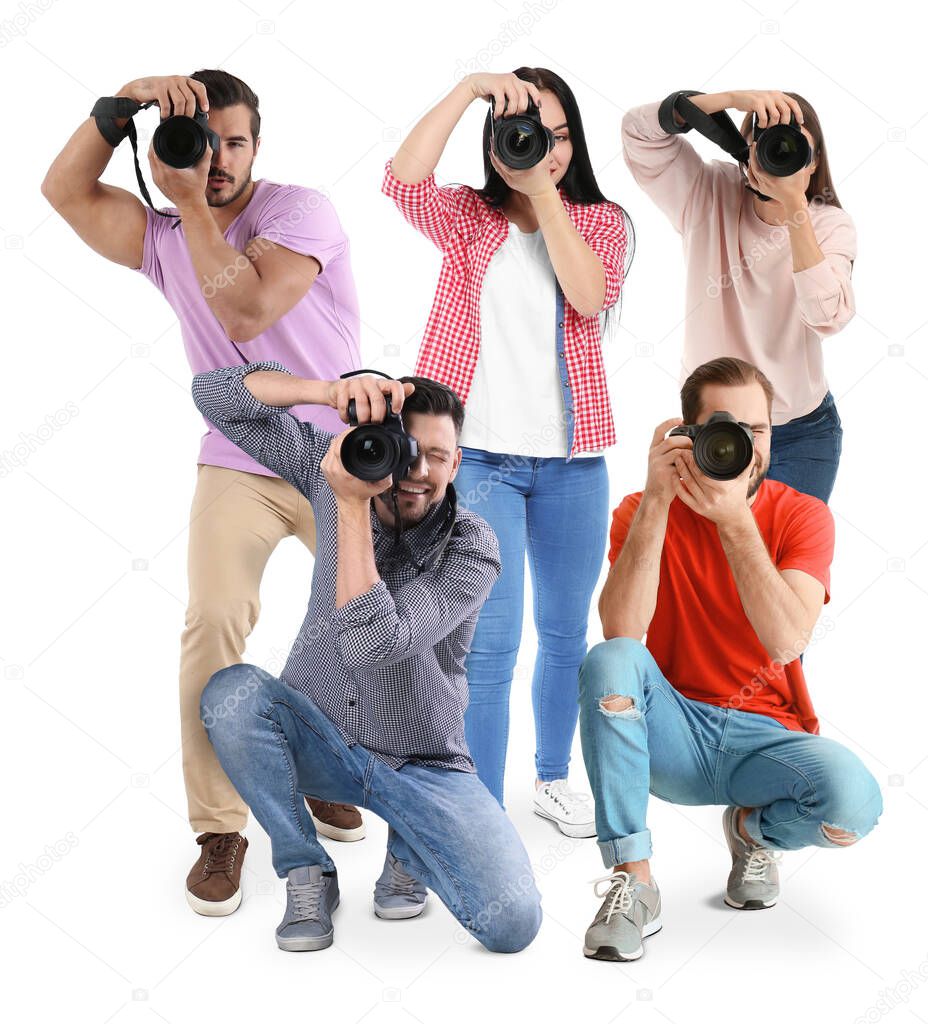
(700, 636)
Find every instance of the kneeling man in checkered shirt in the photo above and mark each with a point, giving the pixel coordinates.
(369, 708)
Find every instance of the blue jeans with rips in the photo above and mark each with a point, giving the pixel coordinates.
(446, 829)
(689, 752)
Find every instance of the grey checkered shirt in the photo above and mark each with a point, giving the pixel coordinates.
(387, 667)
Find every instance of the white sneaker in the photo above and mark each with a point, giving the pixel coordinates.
(572, 812)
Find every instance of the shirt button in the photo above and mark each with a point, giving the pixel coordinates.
(351, 703)
(561, 324)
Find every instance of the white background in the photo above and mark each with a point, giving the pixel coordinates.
(89, 645)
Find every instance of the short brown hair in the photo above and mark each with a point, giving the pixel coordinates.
(225, 90)
(729, 372)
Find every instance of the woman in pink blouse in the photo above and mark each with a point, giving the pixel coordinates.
(766, 280)
(529, 263)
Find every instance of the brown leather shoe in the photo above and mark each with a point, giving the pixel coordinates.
(213, 885)
(336, 821)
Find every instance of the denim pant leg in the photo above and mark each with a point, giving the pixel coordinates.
(804, 453)
(275, 745)
(492, 486)
(662, 744)
(568, 517)
(797, 783)
(451, 833)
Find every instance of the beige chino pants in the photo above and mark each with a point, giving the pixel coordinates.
(236, 521)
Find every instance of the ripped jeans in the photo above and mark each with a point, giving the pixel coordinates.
(804, 789)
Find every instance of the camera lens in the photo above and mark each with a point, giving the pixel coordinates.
(179, 141)
(520, 142)
(370, 453)
(782, 150)
(723, 450)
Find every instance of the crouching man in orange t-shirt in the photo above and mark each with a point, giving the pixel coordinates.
(727, 578)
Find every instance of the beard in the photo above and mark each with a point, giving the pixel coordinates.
(758, 476)
(215, 200)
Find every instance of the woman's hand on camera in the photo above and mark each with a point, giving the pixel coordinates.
(174, 94)
(509, 93)
(770, 105)
(369, 394)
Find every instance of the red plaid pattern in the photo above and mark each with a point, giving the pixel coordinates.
(468, 232)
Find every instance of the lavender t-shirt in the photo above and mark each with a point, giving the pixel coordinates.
(317, 339)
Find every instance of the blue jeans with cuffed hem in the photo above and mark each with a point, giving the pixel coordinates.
(804, 453)
(446, 829)
(556, 512)
(689, 752)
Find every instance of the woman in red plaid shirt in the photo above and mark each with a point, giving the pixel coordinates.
(532, 264)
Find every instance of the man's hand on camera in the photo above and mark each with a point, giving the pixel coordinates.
(723, 502)
(368, 393)
(184, 186)
(348, 489)
(662, 471)
(174, 94)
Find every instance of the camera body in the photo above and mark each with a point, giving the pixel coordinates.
(782, 149)
(180, 141)
(373, 451)
(723, 447)
(521, 140)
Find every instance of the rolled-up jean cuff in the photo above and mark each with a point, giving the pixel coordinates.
(620, 851)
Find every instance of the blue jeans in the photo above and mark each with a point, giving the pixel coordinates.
(445, 828)
(689, 752)
(558, 512)
(805, 452)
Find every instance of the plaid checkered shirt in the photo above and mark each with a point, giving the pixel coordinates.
(468, 232)
(387, 668)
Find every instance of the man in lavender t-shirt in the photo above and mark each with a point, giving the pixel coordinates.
(255, 271)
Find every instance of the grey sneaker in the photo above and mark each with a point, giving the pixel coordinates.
(753, 883)
(397, 895)
(631, 911)
(307, 921)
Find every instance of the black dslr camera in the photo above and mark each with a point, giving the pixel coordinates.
(782, 149)
(181, 141)
(521, 140)
(722, 446)
(377, 450)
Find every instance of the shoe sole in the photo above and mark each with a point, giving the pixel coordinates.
(308, 944)
(611, 954)
(397, 913)
(573, 831)
(341, 835)
(750, 904)
(214, 908)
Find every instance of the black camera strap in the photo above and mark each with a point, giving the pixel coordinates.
(105, 110)
(718, 128)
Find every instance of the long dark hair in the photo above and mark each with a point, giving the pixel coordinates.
(821, 187)
(579, 182)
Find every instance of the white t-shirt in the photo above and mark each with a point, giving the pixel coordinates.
(515, 405)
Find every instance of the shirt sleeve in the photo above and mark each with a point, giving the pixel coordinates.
(151, 264)
(808, 542)
(609, 240)
(378, 628)
(270, 434)
(824, 293)
(429, 209)
(622, 519)
(305, 221)
(667, 167)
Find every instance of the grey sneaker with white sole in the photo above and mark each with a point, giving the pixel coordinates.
(630, 912)
(753, 883)
(307, 922)
(397, 895)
